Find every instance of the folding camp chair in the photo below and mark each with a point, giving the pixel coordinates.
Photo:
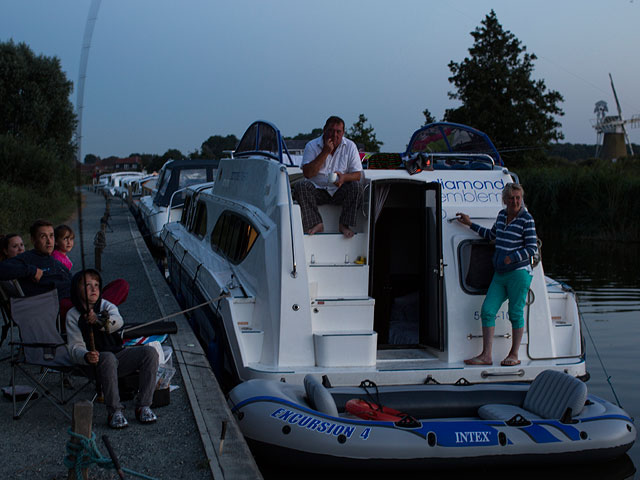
(40, 345)
(8, 289)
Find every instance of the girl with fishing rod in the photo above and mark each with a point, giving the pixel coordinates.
(93, 338)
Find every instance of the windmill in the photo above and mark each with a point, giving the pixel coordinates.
(612, 140)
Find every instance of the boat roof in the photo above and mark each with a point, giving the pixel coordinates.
(447, 137)
(191, 163)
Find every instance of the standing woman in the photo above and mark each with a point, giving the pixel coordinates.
(516, 243)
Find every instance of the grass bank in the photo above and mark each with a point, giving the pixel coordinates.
(597, 201)
(22, 205)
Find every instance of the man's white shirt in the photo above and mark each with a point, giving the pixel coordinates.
(345, 159)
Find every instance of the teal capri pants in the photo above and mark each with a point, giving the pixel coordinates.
(512, 286)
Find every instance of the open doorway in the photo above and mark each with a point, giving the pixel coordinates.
(406, 264)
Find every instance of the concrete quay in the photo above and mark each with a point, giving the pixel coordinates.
(185, 442)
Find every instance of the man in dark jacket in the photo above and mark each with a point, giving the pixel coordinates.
(36, 270)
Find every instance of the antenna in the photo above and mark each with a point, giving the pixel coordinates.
(82, 73)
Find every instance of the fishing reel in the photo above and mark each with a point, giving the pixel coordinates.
(103, 318)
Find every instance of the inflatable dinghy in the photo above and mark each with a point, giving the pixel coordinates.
(553, 419)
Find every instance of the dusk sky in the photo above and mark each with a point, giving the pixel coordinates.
(168, 74)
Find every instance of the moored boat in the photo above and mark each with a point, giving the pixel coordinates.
(398, 303)
(167, 198)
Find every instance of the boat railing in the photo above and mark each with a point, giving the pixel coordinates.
(294, 271)
(464, 157)
(453, 219)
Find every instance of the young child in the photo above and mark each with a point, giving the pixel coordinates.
(64, 244)
(93, 338)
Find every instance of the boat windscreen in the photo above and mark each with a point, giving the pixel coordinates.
(260, 137)
(452, 138)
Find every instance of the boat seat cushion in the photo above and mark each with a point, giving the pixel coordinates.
(552, 392)
(549, 396)
(319, 397)
(503, 412)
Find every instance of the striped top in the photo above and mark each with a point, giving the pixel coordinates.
(518, 240)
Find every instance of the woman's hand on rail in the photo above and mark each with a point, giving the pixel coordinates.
(464, 219)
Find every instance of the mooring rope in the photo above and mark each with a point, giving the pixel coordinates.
(135, 327)
(84, 453)
(595, 347)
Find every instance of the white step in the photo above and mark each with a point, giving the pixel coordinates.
(342, 314)
(252, 341)
(346, 280)
(334, 248)
(356, 348)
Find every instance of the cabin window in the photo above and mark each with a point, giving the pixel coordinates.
(233, 236)
(476, 265)
(192, 176)
(200, 227)
(185, 211)
(164, 182)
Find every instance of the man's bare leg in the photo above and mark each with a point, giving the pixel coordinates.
(319, 228)
(346, 231)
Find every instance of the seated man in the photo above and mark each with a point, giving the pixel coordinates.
(36, 270)
(92, 338)
(332, 168)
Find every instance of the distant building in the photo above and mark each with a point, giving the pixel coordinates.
(112, 165)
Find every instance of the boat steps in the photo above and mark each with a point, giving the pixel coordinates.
(331, 265)
(334, 248)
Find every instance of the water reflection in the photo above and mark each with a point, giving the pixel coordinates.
(619, 469)
(606, 278)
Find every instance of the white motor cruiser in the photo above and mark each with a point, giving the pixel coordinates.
(397, 304)
(165, 202)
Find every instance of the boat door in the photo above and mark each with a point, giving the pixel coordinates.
(433, 335)
(405, 261)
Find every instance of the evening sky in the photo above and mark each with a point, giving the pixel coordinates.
(168, 74)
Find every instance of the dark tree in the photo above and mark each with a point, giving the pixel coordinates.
(173, 154)
(498, 94)
(90, 159)
(362, 134)
(36, 137)
(215, 145)
(34, 94)
(315, 133)
(428, 118)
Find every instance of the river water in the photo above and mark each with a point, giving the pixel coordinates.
(607, 280)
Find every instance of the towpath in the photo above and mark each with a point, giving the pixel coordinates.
(185, 442)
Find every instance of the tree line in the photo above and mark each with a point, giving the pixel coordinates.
(216, 145)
